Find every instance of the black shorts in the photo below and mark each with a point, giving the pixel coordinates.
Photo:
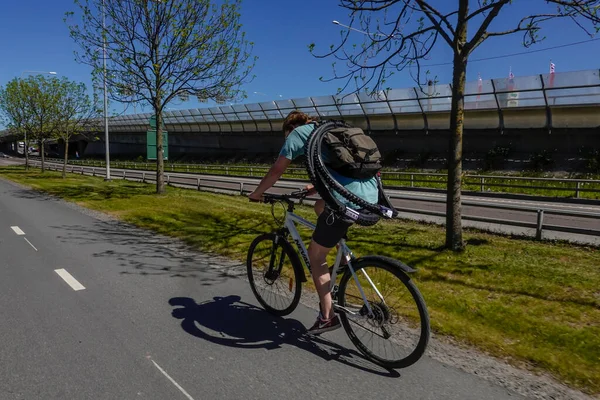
(330, 228)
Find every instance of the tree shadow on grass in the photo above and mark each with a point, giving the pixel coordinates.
(228, 321)
(83, 191)
(490, 287)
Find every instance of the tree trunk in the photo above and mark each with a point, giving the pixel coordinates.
(64, 171)
(26, 150)
(454, 239)
(41, 150)
(160, 166)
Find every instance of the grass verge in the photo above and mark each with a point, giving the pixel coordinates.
(529, 302)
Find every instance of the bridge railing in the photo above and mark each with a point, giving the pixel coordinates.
(399, 109)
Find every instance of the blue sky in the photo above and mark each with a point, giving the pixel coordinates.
(34, 37)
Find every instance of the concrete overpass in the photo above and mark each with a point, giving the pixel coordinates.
(525, 115)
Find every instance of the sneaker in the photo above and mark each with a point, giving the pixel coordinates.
(325, 325)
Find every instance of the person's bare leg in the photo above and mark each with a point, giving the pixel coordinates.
(319, 208)
(317, 255)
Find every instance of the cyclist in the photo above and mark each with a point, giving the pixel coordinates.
(330, 227)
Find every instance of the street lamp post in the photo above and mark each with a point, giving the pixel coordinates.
(106, 142)
(25, 147)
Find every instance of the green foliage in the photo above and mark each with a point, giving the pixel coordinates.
(542, 160)
(30, 106)
(592, 159)
(495, 157)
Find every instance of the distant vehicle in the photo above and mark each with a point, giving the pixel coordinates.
(2, 155)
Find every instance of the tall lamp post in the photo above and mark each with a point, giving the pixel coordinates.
(25, 149)
(106, 142)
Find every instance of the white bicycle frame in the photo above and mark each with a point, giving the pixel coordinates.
(290, 223)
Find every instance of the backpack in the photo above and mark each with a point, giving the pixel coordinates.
(353, 154)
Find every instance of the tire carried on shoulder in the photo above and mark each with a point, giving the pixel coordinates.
(325, 184)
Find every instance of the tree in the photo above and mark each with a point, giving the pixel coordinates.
(41, 98)
(157, 49)
(399, 34)
(16, 113)
(29, 105)
(75, 113)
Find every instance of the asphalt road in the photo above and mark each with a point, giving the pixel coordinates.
(95, 309)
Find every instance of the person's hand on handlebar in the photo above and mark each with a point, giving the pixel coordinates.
(310, 190)
(255, 197)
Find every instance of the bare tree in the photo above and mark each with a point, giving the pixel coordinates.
(158, 50)
(399, 34)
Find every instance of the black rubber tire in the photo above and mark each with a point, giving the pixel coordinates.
(332, 183)
(286, 250)
(425, 329)
(324, 183)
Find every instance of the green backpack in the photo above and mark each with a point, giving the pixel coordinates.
(352, 153)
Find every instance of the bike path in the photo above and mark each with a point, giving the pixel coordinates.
(157, 321)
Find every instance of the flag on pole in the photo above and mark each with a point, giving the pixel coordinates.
(511, 80)
(479, 89)
(552, 71)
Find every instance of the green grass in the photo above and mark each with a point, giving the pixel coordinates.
(395, 177)
(533, 303)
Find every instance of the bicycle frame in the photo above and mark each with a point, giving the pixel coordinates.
(290, 224)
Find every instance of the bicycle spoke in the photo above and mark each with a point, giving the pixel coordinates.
(273, 276)
(388, 331)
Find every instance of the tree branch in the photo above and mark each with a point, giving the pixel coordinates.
(430, 12)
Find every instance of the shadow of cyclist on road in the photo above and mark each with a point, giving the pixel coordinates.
(229, 321)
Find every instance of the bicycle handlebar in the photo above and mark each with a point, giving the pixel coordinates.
(272, 197)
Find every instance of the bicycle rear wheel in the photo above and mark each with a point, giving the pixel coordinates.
(272, 267)
(397, 333)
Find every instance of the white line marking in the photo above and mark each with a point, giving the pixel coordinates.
(30, 244)
(17, 230)
(69, 279)
(177, 385)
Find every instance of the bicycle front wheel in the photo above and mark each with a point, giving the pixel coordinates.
(396, 331)
(272, 267)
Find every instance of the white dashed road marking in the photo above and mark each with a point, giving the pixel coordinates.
(177, 385)
(67, 277)
(30, 244)
(17, 230)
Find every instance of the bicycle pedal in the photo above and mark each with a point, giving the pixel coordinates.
(334, 292)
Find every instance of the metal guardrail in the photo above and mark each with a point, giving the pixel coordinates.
(483, 183)
(204, 182)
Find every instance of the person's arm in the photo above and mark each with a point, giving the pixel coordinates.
(270, 178)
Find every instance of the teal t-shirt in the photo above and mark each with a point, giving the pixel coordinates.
(293, 148)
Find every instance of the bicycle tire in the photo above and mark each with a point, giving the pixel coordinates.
(281, 246)
(331, 182)
(423, 329)
(321, 180)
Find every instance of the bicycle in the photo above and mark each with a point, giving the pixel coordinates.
(280, 267)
